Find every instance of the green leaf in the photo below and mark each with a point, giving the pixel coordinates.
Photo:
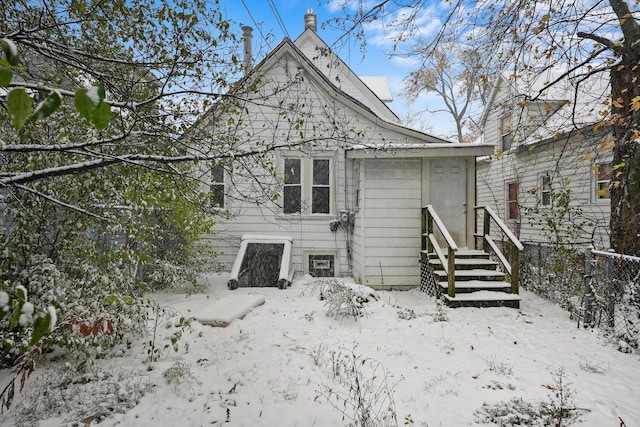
(21, 293)
(40, 327)
(15, 318)
(10, 52)
(101, 116)
(50, 104)
(83, 103)
(89, 103)
(5, 77)
(19, 106)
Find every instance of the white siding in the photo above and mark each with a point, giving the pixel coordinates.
(296, 110)
(569, 165)
(391, 222)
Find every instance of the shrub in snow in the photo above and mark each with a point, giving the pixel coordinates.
(178, 373)
(406, 314)
(499, 367)
(345, 300)
(515, 412)
(441, 314)
(91, 294)
(82, 311)
(22, 325)
(558, 411)
(157, 347)
(79, 395)
(363, 393)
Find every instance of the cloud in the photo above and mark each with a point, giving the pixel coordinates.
(403, 26)
(349, 5)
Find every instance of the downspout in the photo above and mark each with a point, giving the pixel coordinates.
(346, 206)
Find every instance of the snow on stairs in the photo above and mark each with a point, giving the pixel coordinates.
(478, 283)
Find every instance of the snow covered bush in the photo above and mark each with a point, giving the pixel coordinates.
(85, 293)
(441, 314)
(363, 395)
(558, 410)
(345, 300)
(80, 395)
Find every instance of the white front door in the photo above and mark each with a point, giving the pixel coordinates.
(448, 195)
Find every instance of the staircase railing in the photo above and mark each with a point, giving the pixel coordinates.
(430, 244)
(511, 266)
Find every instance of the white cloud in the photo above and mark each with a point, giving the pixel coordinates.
(405, 25)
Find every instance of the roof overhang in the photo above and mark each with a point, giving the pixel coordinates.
(420, 150)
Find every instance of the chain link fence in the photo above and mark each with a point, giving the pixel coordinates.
(600, 289)
(554, 272)
(611, 297)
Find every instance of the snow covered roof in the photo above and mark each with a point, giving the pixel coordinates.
(380, 86)
(427, 149)
(549, 103)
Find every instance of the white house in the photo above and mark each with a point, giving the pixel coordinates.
(549, 175)
(346, 183)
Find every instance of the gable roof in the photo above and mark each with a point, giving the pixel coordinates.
(377, 111)
(340, 74)
(570, 101)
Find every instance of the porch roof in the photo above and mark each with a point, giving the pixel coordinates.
(420, 150)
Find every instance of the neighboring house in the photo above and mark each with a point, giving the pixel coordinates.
(348, 182)
(549, 175)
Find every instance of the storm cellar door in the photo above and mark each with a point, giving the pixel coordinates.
(261, 265)
(262, 261)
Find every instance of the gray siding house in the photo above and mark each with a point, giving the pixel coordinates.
(549, 175)
(332, 170)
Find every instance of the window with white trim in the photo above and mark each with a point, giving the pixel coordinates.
(545, 189)
(307, 185)
(321, 187)
(217, 186)
(506, 133)
(292, 186)
(513, 211)
(602, 181)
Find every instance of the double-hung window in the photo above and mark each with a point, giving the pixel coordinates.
(545, 189)
(603, 180)
(321, 186)
(512, 201)
(292, 186)
(506, 133)
(217, 186)
(307, 185)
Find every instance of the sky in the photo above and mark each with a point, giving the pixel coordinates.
(375, 60)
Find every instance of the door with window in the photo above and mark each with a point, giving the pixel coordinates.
(448, 195)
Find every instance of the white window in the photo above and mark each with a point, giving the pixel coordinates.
(506, 134)
(292, 186)
(545, 189)
(217, 186)
(307, 185)
(513, 211)
(602, 181)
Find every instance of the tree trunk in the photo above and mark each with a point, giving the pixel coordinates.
(625, 190)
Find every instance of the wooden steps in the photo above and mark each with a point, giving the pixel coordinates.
(478, 282)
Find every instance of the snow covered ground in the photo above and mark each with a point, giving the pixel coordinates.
(286, 363)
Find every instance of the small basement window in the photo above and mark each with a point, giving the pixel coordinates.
(321, 265)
